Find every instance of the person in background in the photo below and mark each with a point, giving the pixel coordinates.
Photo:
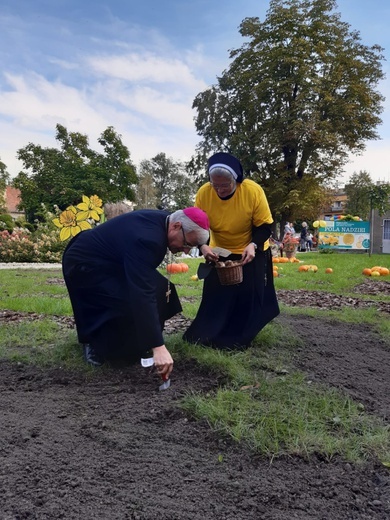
(289, 228)
(194, 253)
(303, 241)
(229, 317)
(119, 299)
(113, 209)
(309, 241)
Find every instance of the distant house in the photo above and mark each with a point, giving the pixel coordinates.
(12, 200)
(337, 206)
(380, 232)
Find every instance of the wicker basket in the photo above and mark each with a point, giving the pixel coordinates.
(229, 274)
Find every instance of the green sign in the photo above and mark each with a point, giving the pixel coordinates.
(344, 235)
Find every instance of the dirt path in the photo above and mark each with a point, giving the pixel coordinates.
(115, 448)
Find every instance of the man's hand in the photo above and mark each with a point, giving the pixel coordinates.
(163, 361)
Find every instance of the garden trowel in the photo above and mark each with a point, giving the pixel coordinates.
(149, 362)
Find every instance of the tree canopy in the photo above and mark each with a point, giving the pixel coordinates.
(164, 184)
(358, 191)
(4, 179)
(364, 195)
(61, 176)
(299, 95)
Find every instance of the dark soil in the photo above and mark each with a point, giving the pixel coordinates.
(111, 446)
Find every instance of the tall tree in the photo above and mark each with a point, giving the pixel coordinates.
(358, 191)
(61, 176)
(300, 95)
(172, 188)
(4, 180)
(145, 190)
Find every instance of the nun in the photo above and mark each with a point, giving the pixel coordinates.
(230, 316)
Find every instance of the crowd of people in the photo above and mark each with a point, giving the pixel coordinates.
(307, 241)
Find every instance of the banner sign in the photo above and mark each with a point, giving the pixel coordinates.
(344, 235)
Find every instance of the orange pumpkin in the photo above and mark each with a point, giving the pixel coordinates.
(384, 271)
(276, 274)
(172, 268)
(176, 268)
(184, 267)
(275, 259)
(328, 270)
(303, 268)
(366, 271)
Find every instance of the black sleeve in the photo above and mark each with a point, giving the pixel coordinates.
(261, 234)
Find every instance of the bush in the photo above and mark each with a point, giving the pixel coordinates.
(43, 245)
(16, 246)
(6, 222)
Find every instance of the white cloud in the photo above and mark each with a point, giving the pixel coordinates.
(149, 120)
(162, 108)
(34, 102)
(136, 68)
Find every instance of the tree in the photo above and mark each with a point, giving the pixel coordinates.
(145, 191)
(380, 197)
(164, 183)
(61, 176)
(299, 96)
(4, 179)
(358, 192)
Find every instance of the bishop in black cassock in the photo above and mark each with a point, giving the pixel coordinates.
(119, 299)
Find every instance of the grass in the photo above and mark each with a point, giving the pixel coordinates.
(262, 401)
(347, 272)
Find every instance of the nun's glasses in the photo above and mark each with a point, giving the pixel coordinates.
(221, 186)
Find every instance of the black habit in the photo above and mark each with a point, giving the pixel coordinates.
(230, 316)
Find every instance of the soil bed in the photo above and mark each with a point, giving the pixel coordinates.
(110, 446)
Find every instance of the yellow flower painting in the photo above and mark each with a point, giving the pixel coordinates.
(78, 218)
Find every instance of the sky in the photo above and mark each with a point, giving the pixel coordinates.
(137, 66)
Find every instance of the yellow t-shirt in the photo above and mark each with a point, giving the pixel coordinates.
(231, 220)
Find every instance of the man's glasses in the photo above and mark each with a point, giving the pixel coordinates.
(186, 245)
(221, 186)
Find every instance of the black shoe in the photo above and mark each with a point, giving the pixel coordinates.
(91, 356)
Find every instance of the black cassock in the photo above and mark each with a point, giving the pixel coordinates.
(118, 297)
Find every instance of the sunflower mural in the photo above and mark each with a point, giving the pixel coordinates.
(79, 218)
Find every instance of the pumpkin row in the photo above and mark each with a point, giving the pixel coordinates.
(377, 270)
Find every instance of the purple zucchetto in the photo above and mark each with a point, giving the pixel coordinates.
(198, 216)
